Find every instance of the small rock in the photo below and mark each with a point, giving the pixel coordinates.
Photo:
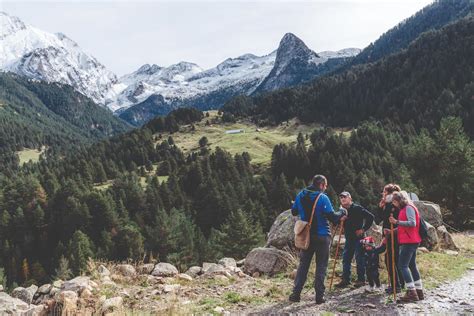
(256, 274)
(109, 283)
(103, 271)
(350, 311)
(146, 268)
(228, 262)
(370, 305)
(215, 269)
(184, 276)
(219, 309)
(164, 269)
(194, 271)
(45, 288)
(77, 284)
(58, 283)
(451, 252)
(206, 266)
(111, 305)
(86, 294)
(423, 249)
(126, 270)
(471, 268)
(168, 288)
(241, 274)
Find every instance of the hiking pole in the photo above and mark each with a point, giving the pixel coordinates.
(335, 257)
(394, 289)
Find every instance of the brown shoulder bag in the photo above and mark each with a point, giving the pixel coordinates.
(302, 230)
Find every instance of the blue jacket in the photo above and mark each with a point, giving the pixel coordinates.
(303, 206)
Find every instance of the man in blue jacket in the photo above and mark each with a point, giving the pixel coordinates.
(320, 235)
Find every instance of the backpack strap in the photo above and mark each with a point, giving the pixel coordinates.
(314, 209)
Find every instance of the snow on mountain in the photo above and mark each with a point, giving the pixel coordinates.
(187, 80)
(31, 52)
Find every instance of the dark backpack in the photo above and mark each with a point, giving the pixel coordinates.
(423, 229)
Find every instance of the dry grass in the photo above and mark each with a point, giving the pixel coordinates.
(27, 155)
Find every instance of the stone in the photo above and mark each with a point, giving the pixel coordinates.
(185, 277)
(127, 270)
(146, 268)
(219, 309)
(12, 305)
(451, 252)
(77, 284)
(86, 294)
(241, 263)
(45, 289)
(431, 242)
(215, 269)
(228, 262)
(267, 260)
(103, 271)
(281, 234)
(206, 266)
(256, 274)
(111, 305)
(168, 288)
(445, 239)
(430, 212)
(423, 249)
(194, 271)
(58, 284)
(164, 269)
(292, 274)
(25, 294)
(68, 299)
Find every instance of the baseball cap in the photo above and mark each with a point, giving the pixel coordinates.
(344, 194)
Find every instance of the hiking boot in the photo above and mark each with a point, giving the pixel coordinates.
(359, 283)
(421, 296)
(410, 296)
(320, 300)
(295, 298)
(390, 291)
(343, 284)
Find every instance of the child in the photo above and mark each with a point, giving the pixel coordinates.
(371, 256)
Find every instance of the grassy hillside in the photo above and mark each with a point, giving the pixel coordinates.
(257, 141)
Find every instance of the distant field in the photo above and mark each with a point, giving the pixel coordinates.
(29, 154)
(258, 143)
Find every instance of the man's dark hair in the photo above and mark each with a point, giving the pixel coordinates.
(318, 180)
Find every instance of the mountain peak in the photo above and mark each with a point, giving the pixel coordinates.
(292, 47)
(9, 24)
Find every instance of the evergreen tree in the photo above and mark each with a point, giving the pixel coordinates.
(80, 250)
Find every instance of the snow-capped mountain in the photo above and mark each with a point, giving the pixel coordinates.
(33, 53)
(292, 63)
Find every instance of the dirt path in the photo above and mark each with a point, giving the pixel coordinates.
(453, 298)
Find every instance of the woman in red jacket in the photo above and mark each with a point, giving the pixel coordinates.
(409, 239)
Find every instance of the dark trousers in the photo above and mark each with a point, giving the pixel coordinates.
(373, 277)
(399, 282)
(351, 247)
(319, 245)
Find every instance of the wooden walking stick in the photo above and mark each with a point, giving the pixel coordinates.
(394, 289)
(335, 257)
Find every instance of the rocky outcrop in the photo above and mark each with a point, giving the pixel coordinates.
(431, 242)
(267, 261)
(126, 270)
(430, 212)
(445, 239)
(25, 294)
(164, 269)
(281, 233)
(14, 306)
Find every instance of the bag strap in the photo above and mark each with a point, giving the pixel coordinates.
(314, 208)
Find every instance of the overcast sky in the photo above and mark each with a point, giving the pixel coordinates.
(123, 35)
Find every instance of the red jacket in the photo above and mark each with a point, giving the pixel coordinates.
(406, 234)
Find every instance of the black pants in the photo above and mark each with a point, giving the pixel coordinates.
(373, 276)
(319, 245)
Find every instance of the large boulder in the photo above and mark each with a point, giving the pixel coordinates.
(25, 294)
(164, 269)
(281, 233)
(127, 270)
(111, 305)
(194, 271)
(430, 212)
(445, 239)
(228, 262)
(267, 260)
(431, 242)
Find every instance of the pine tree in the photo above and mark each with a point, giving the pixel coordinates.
(80, 250)
(62, 272)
